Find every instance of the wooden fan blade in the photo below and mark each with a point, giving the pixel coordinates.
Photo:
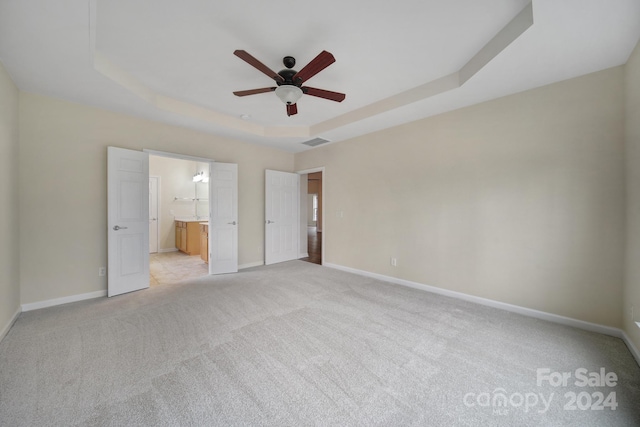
(246, 57)
(317, 64)
(253, 91)
(326, 94)
(292, 109)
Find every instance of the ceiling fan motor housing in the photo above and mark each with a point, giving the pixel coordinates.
(287, 75)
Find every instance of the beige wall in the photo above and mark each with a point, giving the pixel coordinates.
(519, 200)
(9, 243)
(632, 133)
(63, 199)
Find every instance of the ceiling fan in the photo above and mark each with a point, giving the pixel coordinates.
(289, 82)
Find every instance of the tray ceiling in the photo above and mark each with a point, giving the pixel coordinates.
(397, 61)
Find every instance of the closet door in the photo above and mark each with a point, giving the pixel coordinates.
(282, 227)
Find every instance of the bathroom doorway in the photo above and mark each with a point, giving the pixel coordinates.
(180, 218)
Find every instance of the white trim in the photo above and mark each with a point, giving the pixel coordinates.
(251, 265)
(158, 203)
(312, 170)
(568, 321)
(8, 326)
(162, 251)
(63, 300)
(303, 255)
(303, 213)
(176, 155)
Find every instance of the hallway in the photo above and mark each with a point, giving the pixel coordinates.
(314, 246)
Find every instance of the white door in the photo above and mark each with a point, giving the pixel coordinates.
(223, 219)
(153, 214)
(128, 220)
(282, 228)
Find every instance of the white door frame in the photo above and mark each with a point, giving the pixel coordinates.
(324, 198)
(302, 219)
(158, 222)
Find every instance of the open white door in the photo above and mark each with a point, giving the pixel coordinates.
(128, 220)
(223, 219)
(282, 228)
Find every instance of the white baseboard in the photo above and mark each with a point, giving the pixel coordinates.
(303, 255)
(5, 330)
(63, 300)
(96, 294)
(568, 321)
(250, 265)
(162, 251)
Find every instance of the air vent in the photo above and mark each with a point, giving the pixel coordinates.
(315, 142)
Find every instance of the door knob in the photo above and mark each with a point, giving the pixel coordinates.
(232, 223)
(117, 227)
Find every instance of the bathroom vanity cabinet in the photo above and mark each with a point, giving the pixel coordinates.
(204, 241)
(188, 237)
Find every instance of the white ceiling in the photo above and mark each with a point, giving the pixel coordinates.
(173, 61)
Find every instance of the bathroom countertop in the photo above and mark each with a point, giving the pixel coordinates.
(189, 219)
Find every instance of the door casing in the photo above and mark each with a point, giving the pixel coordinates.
(154, 199)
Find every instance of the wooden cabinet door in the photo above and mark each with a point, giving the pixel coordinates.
(183, 239)
(181, 236)
(192, 238)
(204, 243)
(188, 237)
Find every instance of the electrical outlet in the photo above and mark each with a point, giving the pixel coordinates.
(394, 262)
(102, 271)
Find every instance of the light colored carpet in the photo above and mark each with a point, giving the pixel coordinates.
(299, 344)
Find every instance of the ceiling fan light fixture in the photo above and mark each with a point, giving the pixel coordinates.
(289, 94)
(290, 81)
